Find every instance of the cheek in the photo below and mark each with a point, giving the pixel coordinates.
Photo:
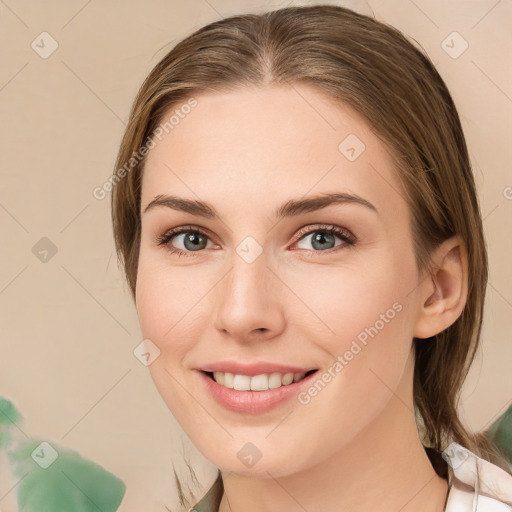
(166, 311)
(367, 319)
(368, 355)
(357, 301)
(165, 302)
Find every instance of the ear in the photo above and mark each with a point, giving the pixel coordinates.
(443, 294)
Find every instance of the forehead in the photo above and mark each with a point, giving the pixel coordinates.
(266, 146)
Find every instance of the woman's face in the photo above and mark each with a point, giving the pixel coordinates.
(254, 287)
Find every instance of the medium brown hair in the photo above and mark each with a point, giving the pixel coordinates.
(394, 86)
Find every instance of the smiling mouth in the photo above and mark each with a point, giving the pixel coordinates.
(262, 382)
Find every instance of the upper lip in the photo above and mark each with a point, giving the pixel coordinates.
(253, 369)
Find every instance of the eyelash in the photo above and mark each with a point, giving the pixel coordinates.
(343, 234)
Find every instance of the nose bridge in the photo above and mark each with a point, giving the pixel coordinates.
(248, 298)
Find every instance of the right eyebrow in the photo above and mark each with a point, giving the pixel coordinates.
(191, 206)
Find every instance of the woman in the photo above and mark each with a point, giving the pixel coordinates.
(297, 218)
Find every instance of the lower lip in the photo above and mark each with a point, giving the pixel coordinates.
(252, 402)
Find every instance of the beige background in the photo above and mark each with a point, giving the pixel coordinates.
(68, 324)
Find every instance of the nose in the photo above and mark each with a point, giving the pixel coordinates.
(247, 302)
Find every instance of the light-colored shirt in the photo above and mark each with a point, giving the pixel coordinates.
(474, 484)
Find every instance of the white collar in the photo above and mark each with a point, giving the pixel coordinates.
(476, 485)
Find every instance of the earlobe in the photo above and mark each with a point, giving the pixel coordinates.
(443, 294)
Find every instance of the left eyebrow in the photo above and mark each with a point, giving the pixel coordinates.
(291, 208)
(314, 203)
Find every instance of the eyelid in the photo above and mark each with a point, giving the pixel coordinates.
(338, 230)
(174, 232)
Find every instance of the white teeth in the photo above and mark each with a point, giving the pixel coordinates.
(228, 380)
(221, 378)
(241, 382)
(275, 380)
(256, 383)
(287, 378)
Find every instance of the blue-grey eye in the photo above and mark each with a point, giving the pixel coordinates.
(192, 241)
(324, 239)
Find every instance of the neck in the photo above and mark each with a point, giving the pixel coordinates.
(384, 468)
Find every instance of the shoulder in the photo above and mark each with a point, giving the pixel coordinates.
(476, 485)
